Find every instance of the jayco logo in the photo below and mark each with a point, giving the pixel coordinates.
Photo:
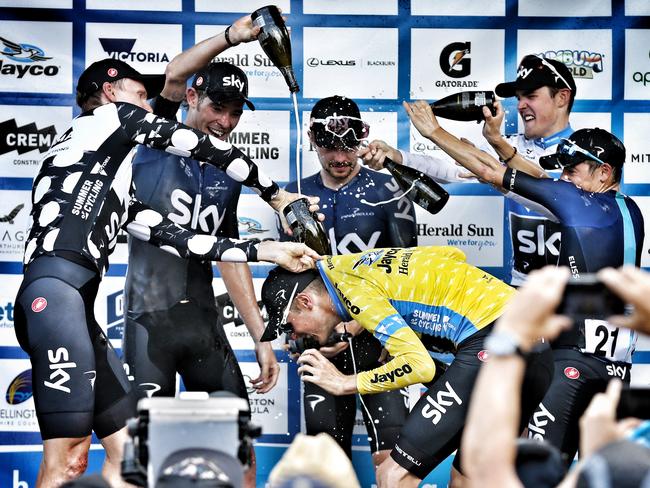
(233, 80)
(438, 407)
(59, 362)
(391, 375)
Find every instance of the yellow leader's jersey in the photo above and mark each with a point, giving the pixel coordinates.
(399, 293)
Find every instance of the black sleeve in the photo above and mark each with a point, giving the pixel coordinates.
(400, 218)
(176, 138)
(165, 108)
(556, 196)
(146, 224)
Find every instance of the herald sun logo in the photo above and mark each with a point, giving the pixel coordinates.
(571, 373)
(39, 304)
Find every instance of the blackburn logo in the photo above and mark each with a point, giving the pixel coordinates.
(367, 259)
(22, 53)
(20, 389)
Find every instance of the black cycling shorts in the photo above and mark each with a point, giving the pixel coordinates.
(78, 381)
(383, 413)
(186, 339)
(434, 427)
(578, 377)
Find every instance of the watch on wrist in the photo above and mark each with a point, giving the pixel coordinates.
(500, 344)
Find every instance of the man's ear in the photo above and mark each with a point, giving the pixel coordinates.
(564, 97)
(192, 97)
(108, 90)
(606, 172)
(304, 301)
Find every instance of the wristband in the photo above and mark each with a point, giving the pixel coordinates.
(506, 161)
(227, 36)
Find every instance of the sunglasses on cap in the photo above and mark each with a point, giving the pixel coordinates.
(568, 154)
(343, 126)
(554, 71)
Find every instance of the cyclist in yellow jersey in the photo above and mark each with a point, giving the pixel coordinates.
(414, 300)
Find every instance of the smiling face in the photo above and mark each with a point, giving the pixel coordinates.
(217, 119)
(543, 113)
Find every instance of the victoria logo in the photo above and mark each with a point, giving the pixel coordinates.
(20, 389)
(29, 57)
(25, 138)
(122, 49)
(12, 215)
(455, 60)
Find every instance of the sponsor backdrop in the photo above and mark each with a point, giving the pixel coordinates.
(379, 52)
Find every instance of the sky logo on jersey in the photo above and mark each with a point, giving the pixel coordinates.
(20, 389)
(25, 138)
(582, 64)
(29, 58)
(123, 49)
(368, 258)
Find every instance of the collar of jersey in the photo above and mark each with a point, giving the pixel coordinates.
(546, 142)
(362, 171)
(340, 308)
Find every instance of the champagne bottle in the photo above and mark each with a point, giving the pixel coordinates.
(421, 188)
(275, 42)
(306, 227)
(464, 106)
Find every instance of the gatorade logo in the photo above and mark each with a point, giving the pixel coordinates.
(39, 304)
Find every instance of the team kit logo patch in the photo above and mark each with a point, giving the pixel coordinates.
(39, 304)
(571, 373)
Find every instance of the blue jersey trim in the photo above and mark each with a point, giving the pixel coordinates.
(436, 321)
(387, 327)
(629, 242)
(546, 142)
(340, 308)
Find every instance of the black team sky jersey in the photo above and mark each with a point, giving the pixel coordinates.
(353, 226)
(194, 195)
(82, 194)
(598, 230)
